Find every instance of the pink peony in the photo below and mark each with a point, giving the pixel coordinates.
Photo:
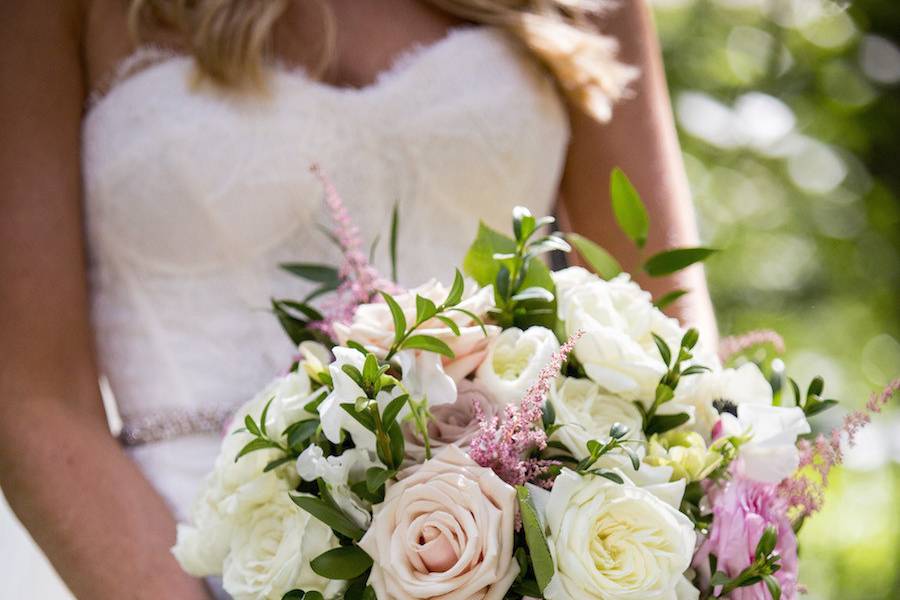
(455, 423)
(742, 509)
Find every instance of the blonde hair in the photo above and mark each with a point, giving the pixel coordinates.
(230, 40)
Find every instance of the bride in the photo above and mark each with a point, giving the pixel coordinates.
(151, 189)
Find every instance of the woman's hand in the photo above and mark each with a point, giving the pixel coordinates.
(87, 505)
(641, 140)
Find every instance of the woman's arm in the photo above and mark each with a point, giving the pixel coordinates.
(641, 140)
(99, 521)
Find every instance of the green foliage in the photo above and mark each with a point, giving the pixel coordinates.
(599, 260)
(541, 560)
(628, 208)
(343, 562)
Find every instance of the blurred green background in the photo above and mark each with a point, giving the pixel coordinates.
(789, 115)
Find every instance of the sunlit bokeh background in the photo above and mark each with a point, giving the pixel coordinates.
(789, 115)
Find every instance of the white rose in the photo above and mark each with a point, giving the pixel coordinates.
(569, 280)
(771, 454)
(333, 417)
(513, 361)
(586, 413)
(235, 489)
(373, 326)
(729, 388)
(614, 541)
(338, 472)
(271, 551)
(617, 349)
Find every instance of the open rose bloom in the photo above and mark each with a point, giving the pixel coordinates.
(517, 433)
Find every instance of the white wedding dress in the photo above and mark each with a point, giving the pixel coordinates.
(192, 198)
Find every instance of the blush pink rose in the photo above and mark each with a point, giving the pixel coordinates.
(742, 509)
(445, 530)
(454, 423)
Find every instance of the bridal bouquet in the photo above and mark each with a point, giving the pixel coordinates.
(520, 433)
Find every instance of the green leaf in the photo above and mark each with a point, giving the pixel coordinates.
(344, 562)
(773, 586)
(456, 290)
(251, 426)
(429, 343)
(272, 465)
(450, 323)
(398, 445)
(363, 418)
(501, 284)
(313, 595)
(796, 390)
(694, 370)
(354, 374)
(301, 431)
(819, 406)
(262, 417)
(628, 208)
(663, 348)
(664, 393)
(472, 316)
(767, 542)
(548, 414)
(254, 445)
(294, 595)
(607, 474)
(313, 272)
(312, 407)
(479, 263)
(397, 315)
(328, 514)
(305, 309)
(669, 298)
(541, 560)
(671, 261)
(816, 386)
(719, 578)
(599, 260)
(393, 409)
(663, 423)
(425, 309)
(376, 476)
(691, 336)
(371, 373)
(537, 311)
(395, 227)
(534, 293)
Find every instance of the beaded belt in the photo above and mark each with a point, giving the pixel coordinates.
(165, 425)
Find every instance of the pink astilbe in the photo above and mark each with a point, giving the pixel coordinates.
(360, 281)
(504, 444)
(805, 491)
(730, 346)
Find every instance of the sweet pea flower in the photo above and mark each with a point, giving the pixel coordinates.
(770, 454)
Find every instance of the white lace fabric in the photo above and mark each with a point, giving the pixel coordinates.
(193, 197)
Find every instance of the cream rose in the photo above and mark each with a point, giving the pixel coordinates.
(373, 326)
(271, 550)
(513, 361)
(454, 423)
(444, 531)
(617, 348)
(233, 490)
(614, 541)
(586, 413)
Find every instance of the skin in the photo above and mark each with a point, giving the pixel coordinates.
(102, 525)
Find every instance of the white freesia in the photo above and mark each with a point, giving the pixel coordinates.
(338, 472)
(729, 387)
(586, 413)
(373, 325)
(271, 550)
(333, 417)
(234, 490)
(613, 541)
(771, 454)
(617, 348)
(513, 361)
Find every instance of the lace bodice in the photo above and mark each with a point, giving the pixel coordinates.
(193, 197)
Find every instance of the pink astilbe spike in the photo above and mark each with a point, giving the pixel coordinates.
(505, 445)
(805, 491)
(730, 346)
(360, 281)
